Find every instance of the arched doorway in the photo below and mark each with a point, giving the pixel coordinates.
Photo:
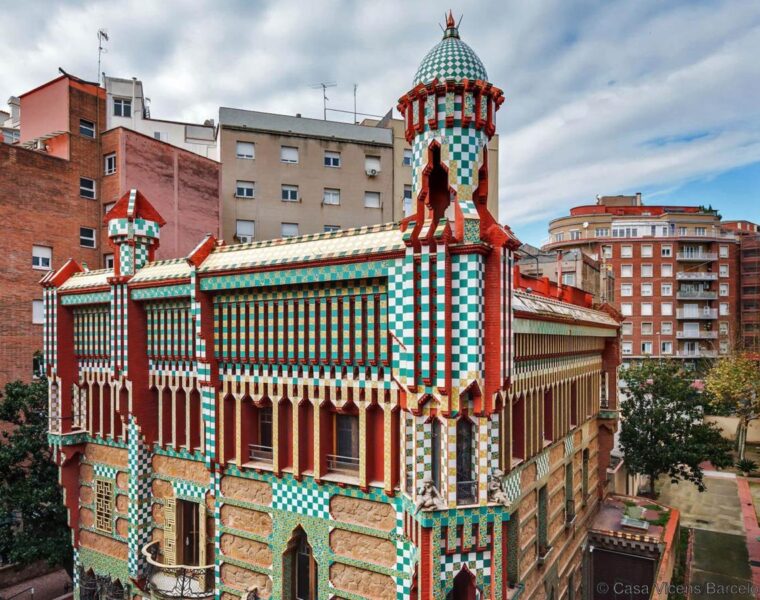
(299, 569)
(464, 587)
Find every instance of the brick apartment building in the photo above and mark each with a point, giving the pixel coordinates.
(675, 271)
(749, 274)
(57, 182)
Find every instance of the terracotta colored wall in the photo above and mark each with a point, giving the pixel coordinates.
(45, 110)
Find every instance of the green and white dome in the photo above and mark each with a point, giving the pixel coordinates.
(450, 59)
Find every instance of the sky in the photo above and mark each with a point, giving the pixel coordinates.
(602, 97)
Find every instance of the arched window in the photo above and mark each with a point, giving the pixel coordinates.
(299, 569)
(466, 484)
(464, 587)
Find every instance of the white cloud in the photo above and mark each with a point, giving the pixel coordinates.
(591, 87)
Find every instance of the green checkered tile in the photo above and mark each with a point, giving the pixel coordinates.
(451, 58)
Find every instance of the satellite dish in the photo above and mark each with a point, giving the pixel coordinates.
(585, 225)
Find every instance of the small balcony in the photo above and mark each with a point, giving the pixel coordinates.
(694, 295)
(260, 454)
(696, 276)
(177, 581)
(697, 354)
(697, 335)
(696, 256)
(343, 465)
(707, 313)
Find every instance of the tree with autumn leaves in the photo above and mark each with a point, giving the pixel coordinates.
(734, 383)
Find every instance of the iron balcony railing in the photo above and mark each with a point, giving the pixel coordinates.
(697, 335)
(692, 295)
(259, 453)
(710, 313)
(346, 465)
(697, 354)
(697, 256)
(177, 581)
(696, 276)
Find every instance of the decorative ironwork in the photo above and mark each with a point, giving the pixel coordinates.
(177, 581)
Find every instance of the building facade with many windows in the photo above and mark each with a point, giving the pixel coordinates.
(383, 412)
(675, 267)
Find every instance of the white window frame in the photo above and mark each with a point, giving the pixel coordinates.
(647, 289)
(626, 271)
(627, 328)
(666, 270)
(109, 163)
(108, 260)
(647, 328)
(371, 204)
(723, 270)
(626, 251)
(647, 309)
(87, 126)
(407, 158)
(626, 309)
(666, 347)
(647, 251)
(372, 164)
(666, 250)
(723, 251)
(243, 236)
(38, 312)
(666, 309)
(42, 258)
(666, 289)
(245, 189)
(331, 196)
(331, 228)
(627, 348)
(244, 154)
(666, 327)
(607, 251)
(82, 237)
(647, 270)
(626, 290)
(723, 290)
(723, 306)
(289, 193)
(287, 153)
(85, 191)
(119, 105)
(647, 344)
(332, 159)
(284, 226)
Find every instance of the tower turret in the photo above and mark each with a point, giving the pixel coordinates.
(134, 228)
(449, 115)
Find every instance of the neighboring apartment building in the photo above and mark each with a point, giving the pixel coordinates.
(381, 412)
(749, 280)
(9, 121)
(675, 271)
(56, 185)
(287, 175)
(572, 267)
(128, 107)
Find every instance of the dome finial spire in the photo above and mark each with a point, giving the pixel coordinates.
(452, 31)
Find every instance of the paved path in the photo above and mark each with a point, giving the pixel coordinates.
(749, 515)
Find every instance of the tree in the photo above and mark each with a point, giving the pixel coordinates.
(32, 515)
(663, 429)
(734, 382)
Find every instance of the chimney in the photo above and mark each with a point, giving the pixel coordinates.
(638, 198)
(298, 115)
(15, 105)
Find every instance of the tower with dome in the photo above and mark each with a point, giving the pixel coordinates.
(385, 412)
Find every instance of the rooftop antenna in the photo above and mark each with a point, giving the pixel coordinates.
(102, 37)
(324, 85)
(356, 85)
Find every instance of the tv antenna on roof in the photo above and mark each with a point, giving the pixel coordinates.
(102, 37)
(324, 85)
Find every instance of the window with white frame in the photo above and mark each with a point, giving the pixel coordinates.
(245, 150)
(666, 250)
(558, 237)
(626, 309)
(626, 270)
(607, 251)
(87, 237)
(407, 160)
(647, 250)
(627, 347)
(723, 347)
(289, 193)
(626, 251)
(646, 289)
(723, 270)
(666, 289)
(122, 107)
(86, 128)
(372, 165)
(288, 230)
(723, 308)
(666, 309)
(723, 289)
(602, 232)
(646, 270)
(332, 159)
(38, 312)
(575, 234)
(701, 231)
(109, 164)
(161, 136)
(646, 347)
(289, 154)
(666, 327)
(371, 199)
(108, 261)
(666, 347)
(87, 188)
(331, 196)
(683, 230)
(407, 200)
(627, 328)
(723, 251)
(646, 309)
(245, 230)
(245, 189)
(331, 228)
(42, 257)
(568, 278)
(723, 328)
(647, 328)
(626, 289)
(666, 270)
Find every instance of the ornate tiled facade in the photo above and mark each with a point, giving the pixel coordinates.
(371, 413)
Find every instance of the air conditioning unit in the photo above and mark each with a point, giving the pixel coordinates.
(242, 239)
(372, 172)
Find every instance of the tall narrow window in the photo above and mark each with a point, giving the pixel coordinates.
(548, 415)
(569, 496)
(518, 428)
(465, 462)
(543, 521)
(87, 188)
(435, 453)
(188, 532)
(300, 569)
(345, 458)
(109, 164)
(104, 505)
(584, 474)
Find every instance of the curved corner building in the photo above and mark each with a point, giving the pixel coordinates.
(387, 412)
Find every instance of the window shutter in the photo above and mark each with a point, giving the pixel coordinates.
(170, 531)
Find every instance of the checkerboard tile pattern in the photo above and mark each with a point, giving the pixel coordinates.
(451, 58)
(477, 563)
(139, 493)
(312, 501)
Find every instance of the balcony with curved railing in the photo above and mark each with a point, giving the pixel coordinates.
(177, 581)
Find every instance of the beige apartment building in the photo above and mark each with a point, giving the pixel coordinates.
(286, 175)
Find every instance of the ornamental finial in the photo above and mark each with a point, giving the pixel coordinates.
(452, 31)
(450, 20)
